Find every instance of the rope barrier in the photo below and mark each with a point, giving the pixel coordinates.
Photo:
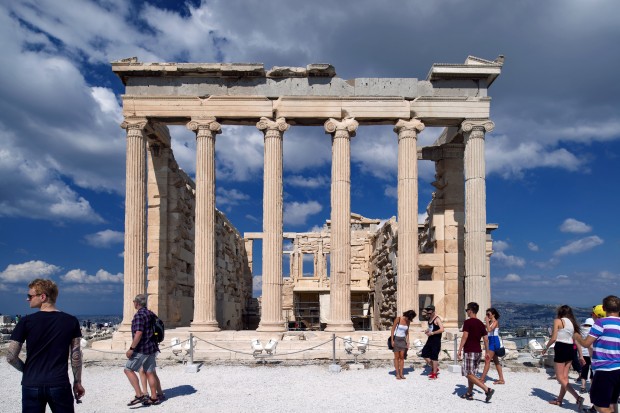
(251, 354)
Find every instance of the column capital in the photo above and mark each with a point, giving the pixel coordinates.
(266, 125)
(208, 124)
(408, 128)
(482, 125)
(346, 125)
(131, 123)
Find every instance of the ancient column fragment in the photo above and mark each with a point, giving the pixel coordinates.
(340, 278)
(204, 256)
(476, 288)
(407, 288)
(135, 218)
(271, 304)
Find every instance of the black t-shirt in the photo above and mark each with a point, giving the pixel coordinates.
(48, 336)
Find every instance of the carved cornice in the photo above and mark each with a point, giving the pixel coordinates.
(205, 126)
(269, 126)
(408, 128)
(338, 128)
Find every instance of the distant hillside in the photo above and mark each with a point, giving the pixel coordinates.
(514, 315)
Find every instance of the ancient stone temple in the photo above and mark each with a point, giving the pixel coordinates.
(196, 267)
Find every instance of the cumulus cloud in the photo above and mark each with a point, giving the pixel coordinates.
(580, 245)
(532, 247)
(507, 260)
(499, 245)
(82, 277)
(512, 278)
(257, 285)
(312, 182)
(230, 196)
(296, 213)
(105, 238)
(573, 226)
(28, 271)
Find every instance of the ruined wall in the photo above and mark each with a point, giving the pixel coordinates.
(170, 247)
(383, 269)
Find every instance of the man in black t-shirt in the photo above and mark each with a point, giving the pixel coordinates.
(51, 337)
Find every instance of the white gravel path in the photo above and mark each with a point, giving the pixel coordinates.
(220, 388)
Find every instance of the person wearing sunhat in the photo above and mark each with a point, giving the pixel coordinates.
(432, 348)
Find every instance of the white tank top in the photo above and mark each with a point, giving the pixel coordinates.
(401, 330)
(565, 335)
(494, 332)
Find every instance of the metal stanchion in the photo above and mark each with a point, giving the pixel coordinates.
(455, 367)
(191, 367)
(334, 368)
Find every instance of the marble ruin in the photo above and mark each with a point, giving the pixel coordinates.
(197, 268)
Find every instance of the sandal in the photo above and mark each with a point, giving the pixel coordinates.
(150, 402)
(467, 396)
(580, 401)
(489, 393)
(555, 402)
(136, 400)
(582, 390)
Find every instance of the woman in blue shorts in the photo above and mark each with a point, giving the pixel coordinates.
(491, 321)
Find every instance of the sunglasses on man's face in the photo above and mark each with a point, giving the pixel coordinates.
(29, 297)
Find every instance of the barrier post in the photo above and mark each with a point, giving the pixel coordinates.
(191, 367)
(455, 367)
(334, 368)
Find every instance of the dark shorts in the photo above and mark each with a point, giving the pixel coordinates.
(400, 344)
(605, 388)
(563, 352)
(59, 398)
(431, 350)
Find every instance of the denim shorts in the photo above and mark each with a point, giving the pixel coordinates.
(146, 361)
(59, 398)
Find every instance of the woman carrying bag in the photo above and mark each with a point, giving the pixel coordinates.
(399, 338)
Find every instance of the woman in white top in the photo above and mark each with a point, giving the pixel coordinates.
(400, 341)
(563, 328)
(491, 322)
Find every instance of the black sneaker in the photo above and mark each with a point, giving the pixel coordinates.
(489, 394)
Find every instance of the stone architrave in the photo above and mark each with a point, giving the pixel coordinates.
(205, 254)
(476, 279)
(340, 279)
(271, 305)
(135, 217)
(407, 288)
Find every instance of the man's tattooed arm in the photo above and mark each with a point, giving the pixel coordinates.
(12, 356)
(76, 367)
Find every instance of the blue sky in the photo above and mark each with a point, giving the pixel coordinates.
(552, 160)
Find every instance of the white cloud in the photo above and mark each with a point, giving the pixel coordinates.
(391, 191)
(82, 277)
(28, 271)
(499, 245)
(310, 182)
(581, 245)
(230, 196)
(422, 217)
(508, 260)
(532, 246)
(576, 227)
(105, 238)
(239, 153)
(512, 278)
(296, 213)
(257, 285)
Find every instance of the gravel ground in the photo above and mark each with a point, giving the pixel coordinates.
(309, 388)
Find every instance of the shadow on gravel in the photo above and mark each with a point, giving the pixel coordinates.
(184, 390)
(543, 394)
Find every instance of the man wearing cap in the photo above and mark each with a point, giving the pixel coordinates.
(598, 312)
(586, 353)
(430, 351)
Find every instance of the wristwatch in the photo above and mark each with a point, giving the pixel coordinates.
(131, 348)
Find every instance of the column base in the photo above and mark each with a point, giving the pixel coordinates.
(277, 326)
(204, 326)
(339, 327)
(124, 328)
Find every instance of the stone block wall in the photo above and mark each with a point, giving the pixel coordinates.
(170, 246)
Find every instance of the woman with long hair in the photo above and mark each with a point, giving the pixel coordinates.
(400, 341)
(491, 322)
(564, 326)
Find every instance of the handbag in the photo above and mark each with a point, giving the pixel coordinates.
(390, 346)
(501, 351)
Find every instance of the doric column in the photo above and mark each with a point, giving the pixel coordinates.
(475, 210)
(271, 304)
(135, 217)
(340, 278)
(204, 256)
(407, 288)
